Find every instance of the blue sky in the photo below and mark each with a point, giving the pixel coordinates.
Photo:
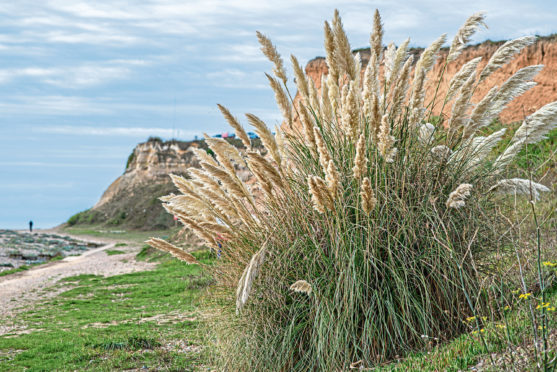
(81, 82)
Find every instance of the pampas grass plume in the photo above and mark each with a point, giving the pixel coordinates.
(301, 286)
(458, 197)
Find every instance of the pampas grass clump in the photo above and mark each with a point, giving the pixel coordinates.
(359, 194)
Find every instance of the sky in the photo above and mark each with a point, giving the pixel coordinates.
(82, 82)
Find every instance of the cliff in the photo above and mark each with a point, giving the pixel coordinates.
(131, 201)
(150, 162)
(544, 52)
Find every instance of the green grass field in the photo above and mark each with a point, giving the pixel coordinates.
(140, 320)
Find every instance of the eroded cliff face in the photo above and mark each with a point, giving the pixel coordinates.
(151, 162)
(544, 52)
(132, 200)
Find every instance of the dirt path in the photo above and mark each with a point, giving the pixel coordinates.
(23, 289)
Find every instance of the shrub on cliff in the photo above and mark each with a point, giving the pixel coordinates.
(360, 235)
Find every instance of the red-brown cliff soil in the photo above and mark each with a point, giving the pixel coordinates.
(544, 52)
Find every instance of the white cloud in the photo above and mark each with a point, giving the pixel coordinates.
(56, 165)
(87, 74)
(113, 131)
(50, 105)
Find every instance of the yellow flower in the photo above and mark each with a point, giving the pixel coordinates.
(470, 318)
(552, 308)
(542, 305)
(507, 307)
(501, 326)
(549, 264)
(476, 332)
(484, 318)
(525, 296)
(541, 328)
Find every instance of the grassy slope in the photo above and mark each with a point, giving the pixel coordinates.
(135, 236)
(466, 350)
(126, 321)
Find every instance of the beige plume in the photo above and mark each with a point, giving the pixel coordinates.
(301, 286)
(458, 197)
(234, 123)
(368, 196)
(464, 35)
(270, 51)
(163, 245)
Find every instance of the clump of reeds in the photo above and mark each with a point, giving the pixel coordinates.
(360, 195)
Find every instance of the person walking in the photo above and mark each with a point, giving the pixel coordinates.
(30, 226)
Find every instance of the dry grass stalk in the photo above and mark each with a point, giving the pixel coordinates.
(324, 156)
(458, 197)
(427, 59)
(398, 95)
(462, 76)
(368, 196)
(462, 104)
(370, 86)
(397, 62)
(313, 100)
(231, 184)
(192, 224)
(234, 123)
(360, 161)
(248, 277)
(332, 177)
(520, 186)
(386, 141)
(301, 286)
(266, 136)
(202, 156)
(165, 246)
(334, 95)
(325, 104)
(505, 53)
(351, 112)
(307, 126)
(376, 37)
(464, 35)
(205, 179)
(343, 53)
(319, 194)
(282, 99)
(225, 152)
(301, 80)
(532, 130)
(330, 48)
(266, 168)
(270, 51)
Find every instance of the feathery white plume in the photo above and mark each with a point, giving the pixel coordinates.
(249, 275)
(301, 286)
(504, 54)
(520, 186)
(425, 134)
(458, 197)
(464, 34)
